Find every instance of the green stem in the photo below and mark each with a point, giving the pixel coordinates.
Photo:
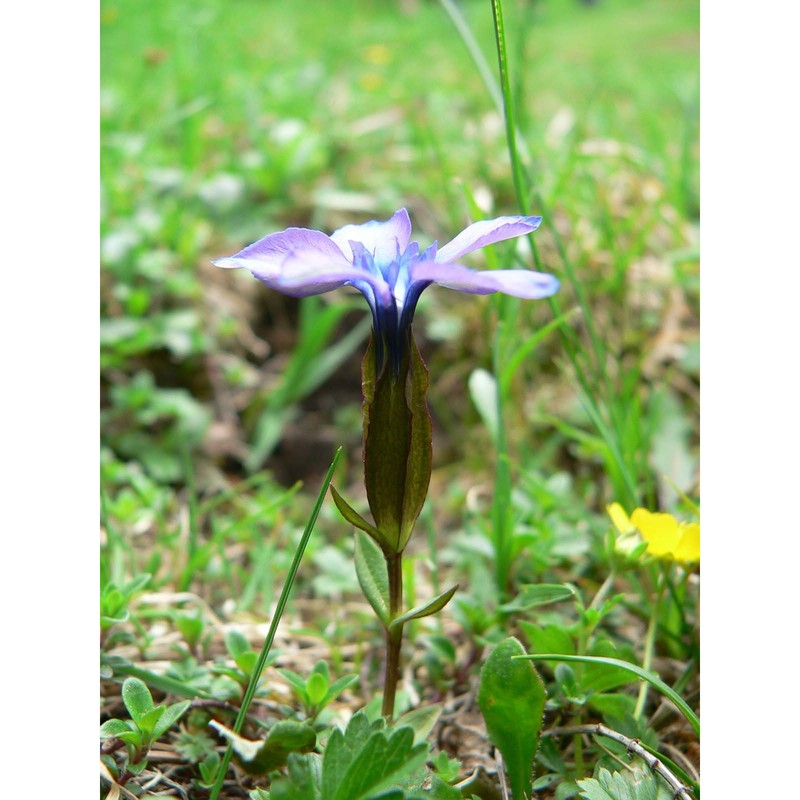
(191, 503)
(394, 636)
(649, 645)
(603, 591)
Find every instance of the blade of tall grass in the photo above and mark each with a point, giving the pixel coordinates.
(644, 674)
(517, 171)
(606, 415)
(255, 677)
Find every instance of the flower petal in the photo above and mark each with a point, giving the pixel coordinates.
(688, 547)
(485, 232)
(384, 240)
(298, 262)
(660, 531)
(272, 250)
(618, 516)
(517, 282)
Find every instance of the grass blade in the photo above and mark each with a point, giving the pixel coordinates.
(273, 628)
(644, 674)
(508, 106)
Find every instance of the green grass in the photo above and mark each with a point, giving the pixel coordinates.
(225, 120)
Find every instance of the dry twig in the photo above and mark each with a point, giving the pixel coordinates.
(681, 792)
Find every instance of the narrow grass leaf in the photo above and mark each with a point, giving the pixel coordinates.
(645, 675)
(522, 352)
(255, 677)
(163, 683)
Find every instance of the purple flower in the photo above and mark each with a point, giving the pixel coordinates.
(379, 259)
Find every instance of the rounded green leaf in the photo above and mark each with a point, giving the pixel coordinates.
(112, 728)
(137, 698)
(316, 688)
(512, 703)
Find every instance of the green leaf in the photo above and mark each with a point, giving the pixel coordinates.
(338, 686)
(366, 759)
(382, 762)
(170, 716)
(538, 594)
(317, 688)
(619, 786)
(261, 757)
(373, 575)
(132, 738)
(111, 728)
(302, 782)
(440, 790)
(341, 749)
(147, 722)
(137, 698)
(421, 720)
(613, 705)
(548, 639)
(246, 661)
(599, 677)
(208, 768)
(236, 643)
(322, 668)
(352, 516)
(512, 703)
(298, 682)
(425, 610)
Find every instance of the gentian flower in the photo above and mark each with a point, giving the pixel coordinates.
(379, 260)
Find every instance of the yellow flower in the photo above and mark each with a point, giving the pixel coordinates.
(665, 536)
(620, 519)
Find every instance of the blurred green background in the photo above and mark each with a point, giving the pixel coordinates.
(225, 120)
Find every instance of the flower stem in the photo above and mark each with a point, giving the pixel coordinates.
(649, 644)
(394, 636)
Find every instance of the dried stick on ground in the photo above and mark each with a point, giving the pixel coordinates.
(681, 792)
